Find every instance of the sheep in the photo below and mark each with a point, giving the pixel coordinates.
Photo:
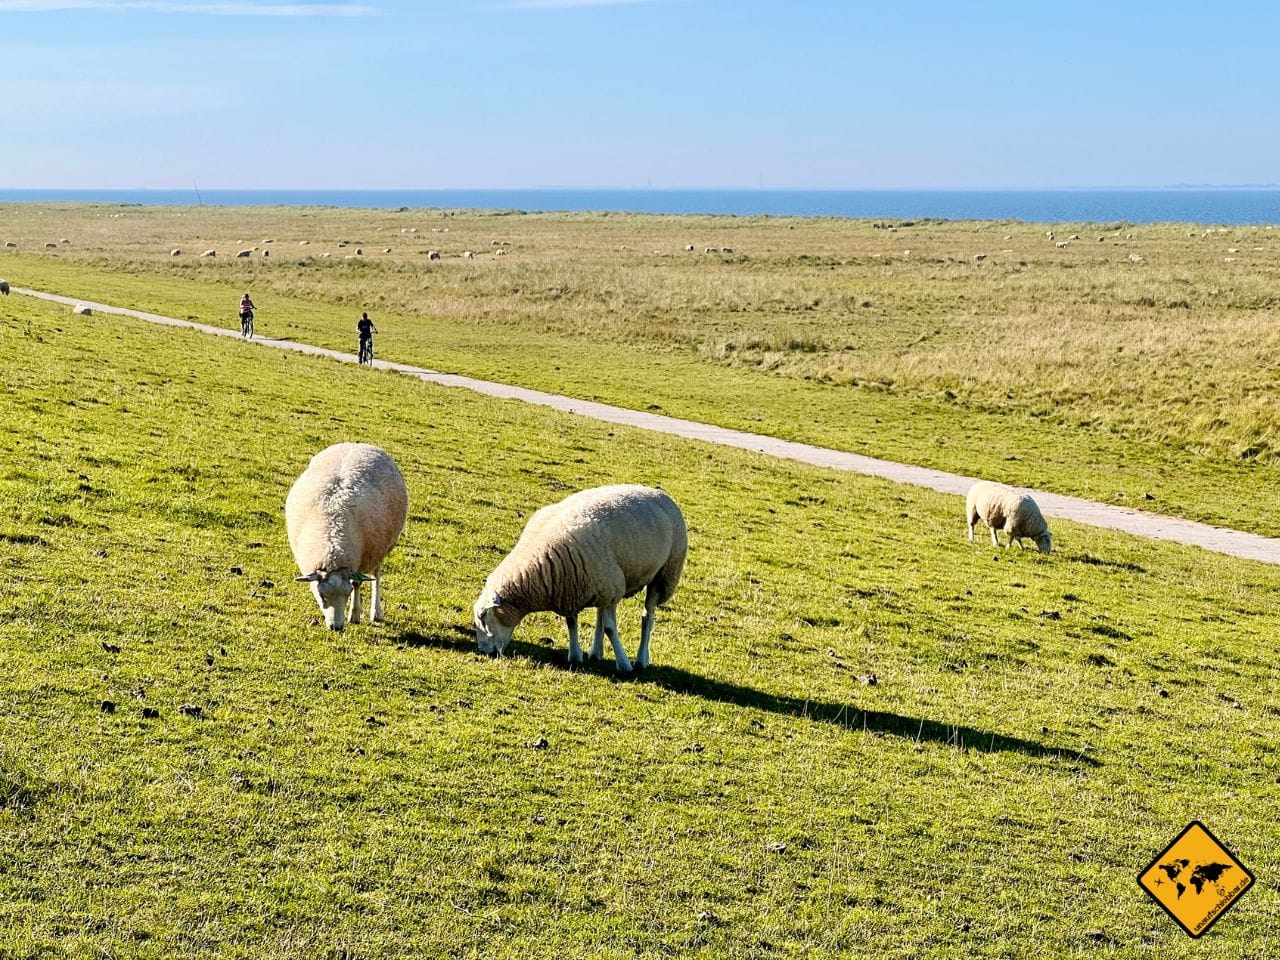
(467, 254)
(386, 249)
(591, 549)
(175, 252)
(209, 253)
(344, 514)
(726, 249)
(4, 287)
(688, 248)
(51, 246)
(10, 245)
(266, 253)
(500, 252)
(979, 257)
(81, 310)
(433, 254)
(1062, 244)
(304, 243)
(244, 253)
(1004, 508)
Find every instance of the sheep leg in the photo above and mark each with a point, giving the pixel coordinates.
(972, 521)
(355, 602)
(597, 642)
(995, 539)
(377, 595)
(609, 616)
(646, 626)
(575, 648)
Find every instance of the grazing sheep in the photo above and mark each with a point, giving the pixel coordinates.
(325, 255)
(979, 257)
(342, 243)
(495, 243)
(359, 252)
(1074, 236)
(304, 243)
(10, 245)
(726, 249)
(4, 287)
(1049, 234)
(266, 253)
(175, 252)
(499, 252)
(81, 310)
(688, 247)
(344, 514)
(710, 249)
(1007, 237)
(467, 254)
(1135, 257)
(1004, 508)
(433, 254)
(1062, 244)
(591, 549)
(64, 240)
(386, 249)
(268, 241)
(51, 246)
(244, 253)
(209, 253)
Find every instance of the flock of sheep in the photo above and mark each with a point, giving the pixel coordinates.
(592, 549)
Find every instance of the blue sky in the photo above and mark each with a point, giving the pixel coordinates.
(619, 93)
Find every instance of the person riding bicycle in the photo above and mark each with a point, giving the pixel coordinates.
(246, 315)
(366, 330)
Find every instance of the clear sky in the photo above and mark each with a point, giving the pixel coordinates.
(623, 93)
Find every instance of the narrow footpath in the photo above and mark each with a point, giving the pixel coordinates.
(1249, 546)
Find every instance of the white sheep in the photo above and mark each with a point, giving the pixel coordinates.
(244, 253)
(591, 549)
(344, 514)
(209, 253)
(1005, 509)
(10, 245)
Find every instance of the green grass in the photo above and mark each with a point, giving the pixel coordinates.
(1038, 729)
(1147, 384)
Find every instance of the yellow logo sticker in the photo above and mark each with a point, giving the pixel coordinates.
(1196, 879)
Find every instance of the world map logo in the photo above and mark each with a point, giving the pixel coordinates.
(1195, 879)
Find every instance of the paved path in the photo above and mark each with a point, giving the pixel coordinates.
(1247, 545)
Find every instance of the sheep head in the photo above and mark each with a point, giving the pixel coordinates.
(495, 622)
(332, 590)
(1045, 542)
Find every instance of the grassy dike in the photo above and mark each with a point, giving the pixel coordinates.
(1039, 727)
(1018, 446)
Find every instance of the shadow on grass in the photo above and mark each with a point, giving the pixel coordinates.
(462, 640)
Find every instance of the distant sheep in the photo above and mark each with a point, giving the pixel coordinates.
(500, 252)
(1049, 234)
(979, 257)
(4, 287)
(209, 253)
(1135, 257)
(711, 250)
(304, 243)
(1062, 244)
(10, 245)
(1005, 509)
(726, 249)
(81, 310)
(386, 249)
(175, 252)
(266, 253)
(64, 241)
(591, 549)
(359, 252)
(51, 246)
(495, 243)
(344, 514)
(467, 254)
(244, 253)
(688, 247)
(433, 254)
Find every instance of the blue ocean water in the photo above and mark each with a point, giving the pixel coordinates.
(1224, 206)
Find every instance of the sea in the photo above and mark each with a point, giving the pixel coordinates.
(1215, 206)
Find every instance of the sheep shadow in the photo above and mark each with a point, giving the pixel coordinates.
(850, 717)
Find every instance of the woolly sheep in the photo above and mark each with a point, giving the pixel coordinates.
(591, 549)
(1003, 508)
(209, 253)
(244, 253)
(10, 245)
(344, 514)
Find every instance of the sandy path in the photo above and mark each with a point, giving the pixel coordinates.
(1233, 542)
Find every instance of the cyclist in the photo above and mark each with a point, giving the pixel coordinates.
(246, 316)
(366, 330)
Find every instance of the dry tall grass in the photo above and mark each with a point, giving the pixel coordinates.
(1162, 333)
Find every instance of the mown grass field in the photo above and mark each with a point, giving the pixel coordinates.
(1149, 382)
(1039, 726)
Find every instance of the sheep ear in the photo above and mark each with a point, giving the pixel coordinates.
(312, 577)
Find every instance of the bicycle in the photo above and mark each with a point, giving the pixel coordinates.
(366, 351)
(246, 325)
